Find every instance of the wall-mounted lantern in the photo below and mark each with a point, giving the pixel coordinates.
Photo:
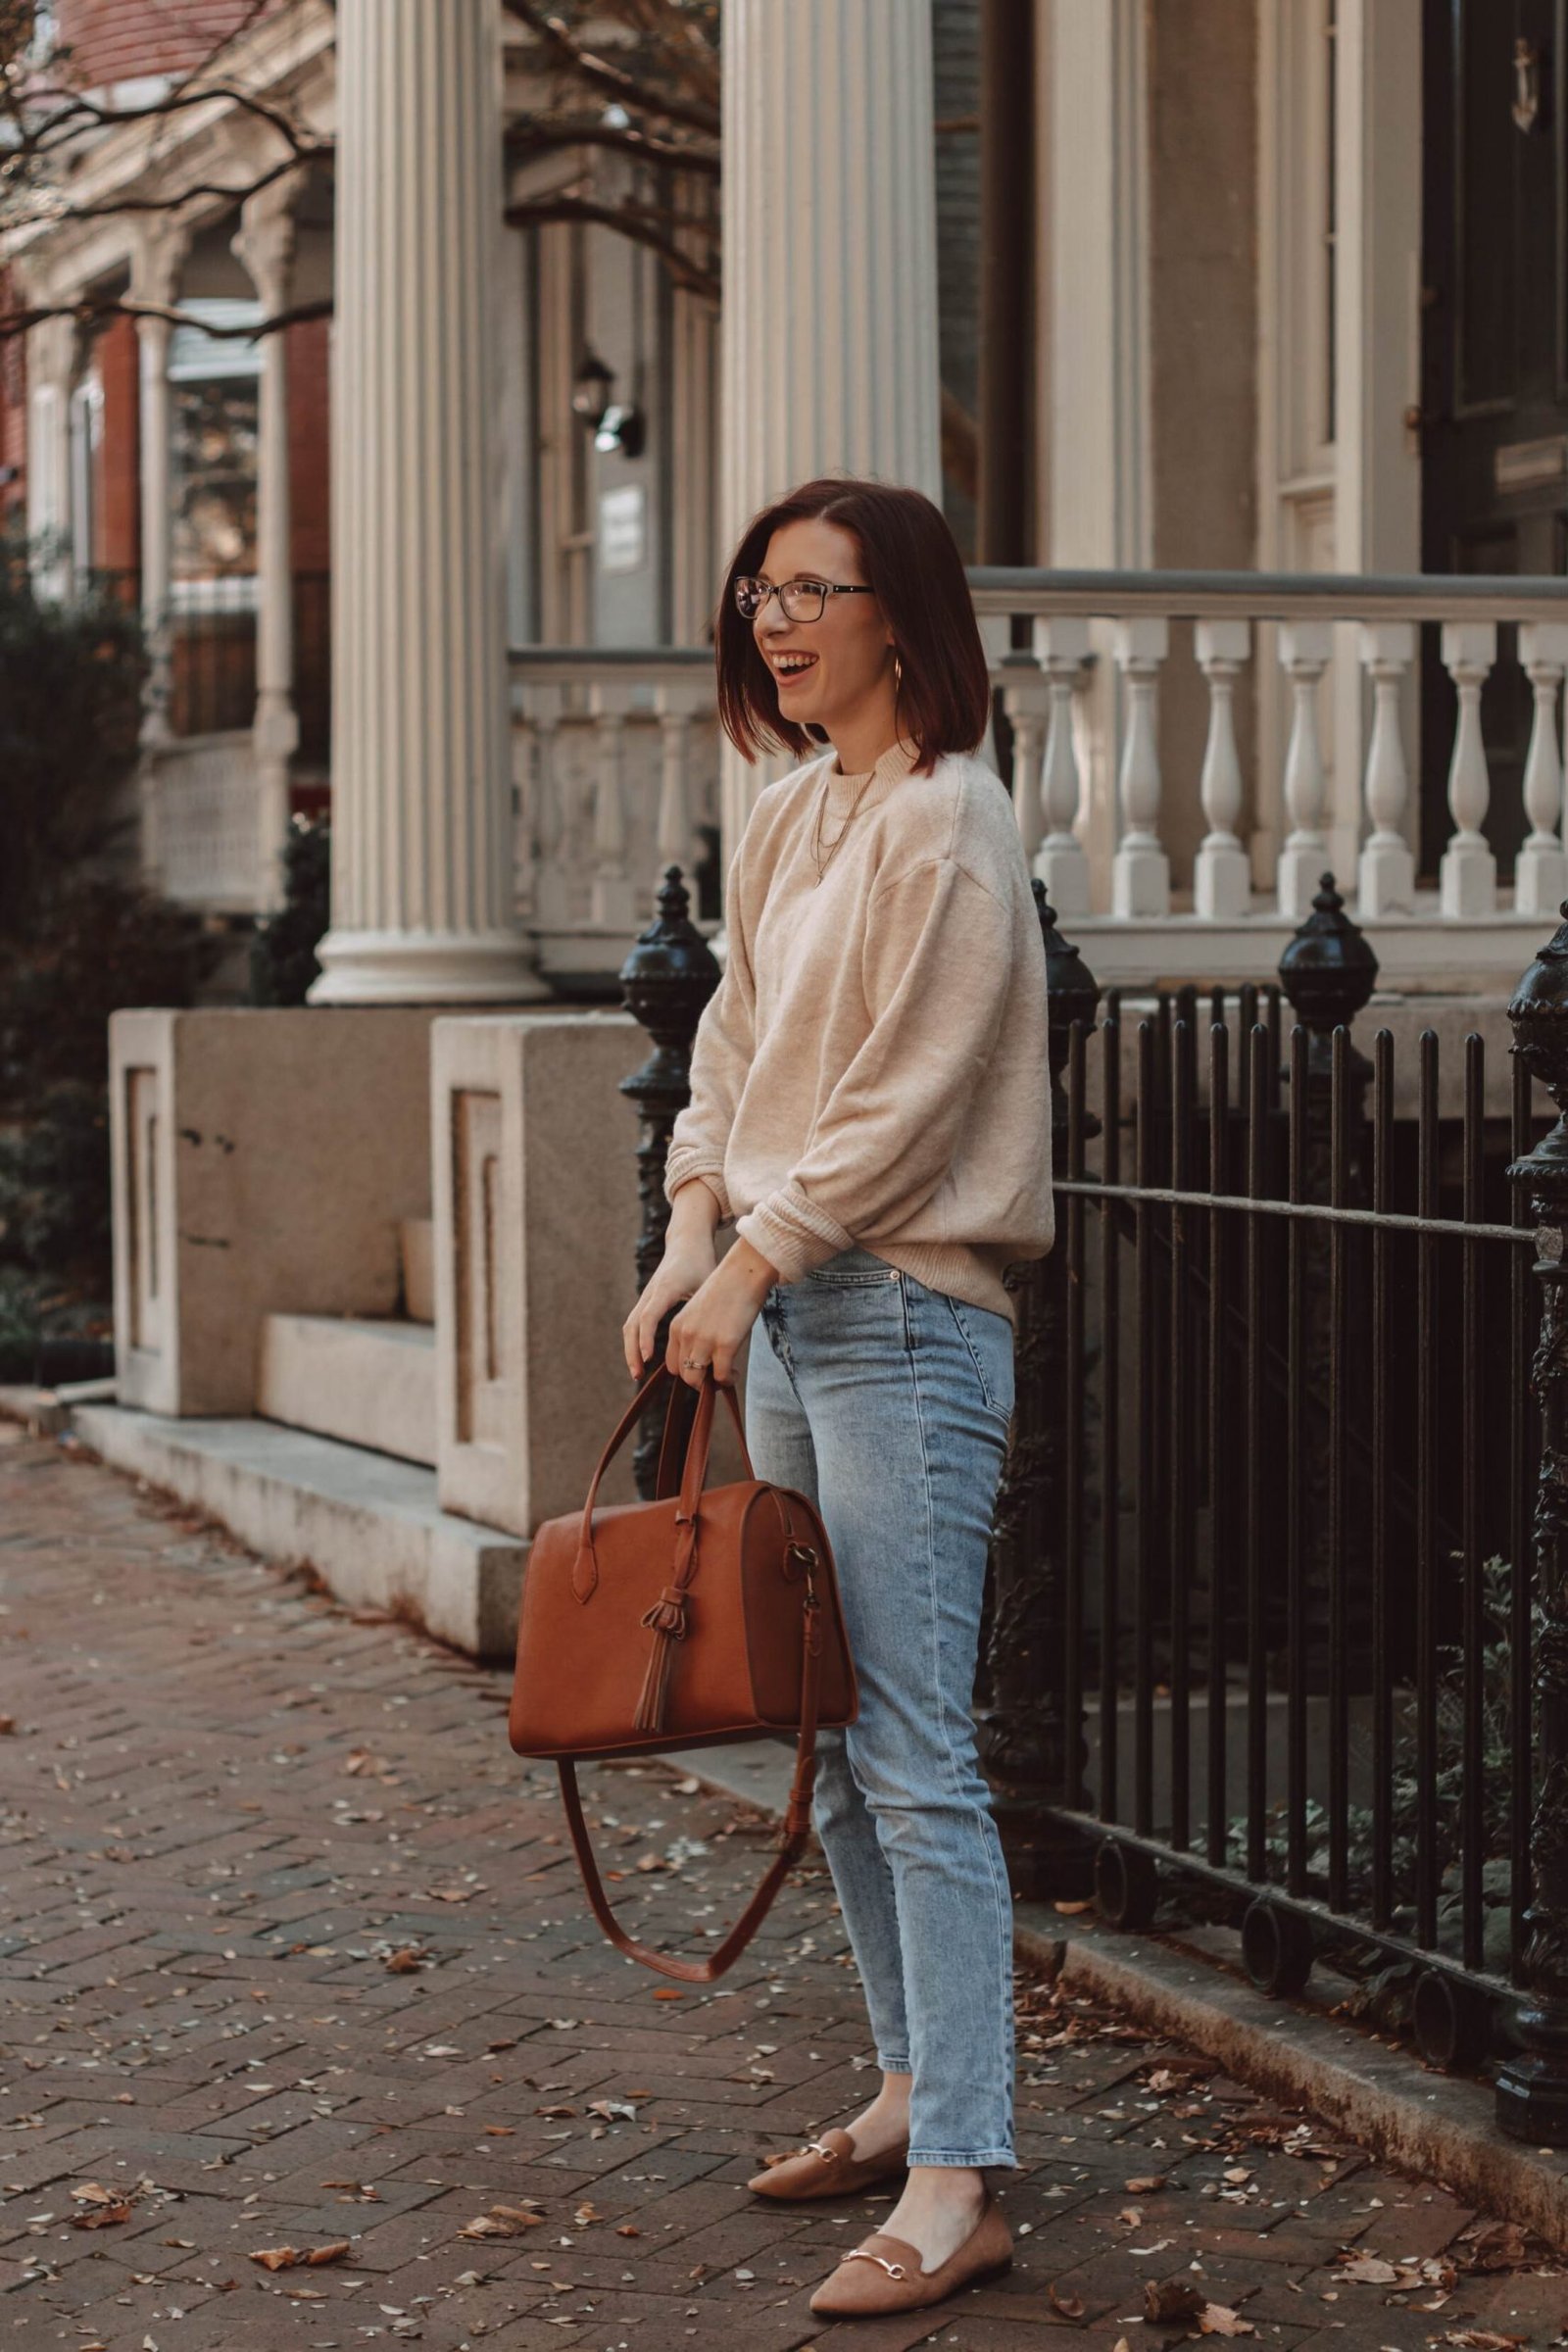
(615, 424)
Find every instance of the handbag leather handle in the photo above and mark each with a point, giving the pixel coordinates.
(585, 1574)
(797, 1823)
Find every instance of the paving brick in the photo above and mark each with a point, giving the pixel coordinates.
(214, 1836)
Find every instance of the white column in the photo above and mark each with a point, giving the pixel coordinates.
(1305, 647)
(1387, 874)
(1540, 871)
(1468, 875)
(265, 246)
(155, 279)
(51, 368)
(829, 330)
(1061, 648)
(1222, 878)
(1139, 878)
(422, 904)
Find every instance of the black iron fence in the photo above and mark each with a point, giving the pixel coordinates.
(1278, 1620)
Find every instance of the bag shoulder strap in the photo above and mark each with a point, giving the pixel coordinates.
(797, 1823)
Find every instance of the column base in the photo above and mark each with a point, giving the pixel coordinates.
(426, 967)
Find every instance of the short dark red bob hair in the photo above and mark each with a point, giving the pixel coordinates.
(913, 561)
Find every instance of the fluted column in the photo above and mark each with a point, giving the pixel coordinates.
(265, 247)
(829, 351)
(423, 899)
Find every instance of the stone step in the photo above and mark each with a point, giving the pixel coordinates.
(370, 1525)
(417, 1250)
(368, 1382)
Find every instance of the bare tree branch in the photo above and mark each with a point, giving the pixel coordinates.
(537, 136)
(93, 308)
(600, 74)
(641, 228)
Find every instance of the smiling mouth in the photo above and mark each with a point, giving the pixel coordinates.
(789, 674)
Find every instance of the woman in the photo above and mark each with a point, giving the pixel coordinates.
(869, 1109)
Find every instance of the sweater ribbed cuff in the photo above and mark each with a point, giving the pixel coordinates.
(791, 1232)
(685, 1163)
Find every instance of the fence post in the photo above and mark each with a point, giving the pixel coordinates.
(1531, 2093)
(665, 982)
(1020, 1716)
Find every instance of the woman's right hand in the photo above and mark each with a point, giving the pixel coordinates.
(688, 1261)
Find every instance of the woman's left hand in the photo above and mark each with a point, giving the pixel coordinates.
(712, 1327)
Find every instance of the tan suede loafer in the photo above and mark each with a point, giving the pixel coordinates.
(885, 2274)
(828, 2168)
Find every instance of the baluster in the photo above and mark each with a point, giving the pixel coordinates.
(678, 842)
(1385, 879)
(1061, 648)
(996, 636)
(1468, 874)
(1540, 871)
(552, 896)
(613, 900)
(1306, 648)
(1024, 699)
(1141, 871)
(1222, 879)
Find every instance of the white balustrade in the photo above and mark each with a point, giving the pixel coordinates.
(1141, 871)
(1540, 871)
(1387, 875)
(615, 898)
(1468, 878)
(1061, 648)
(1222, 878)
(1025, 698)
(1306, 648)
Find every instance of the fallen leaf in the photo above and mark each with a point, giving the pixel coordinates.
(1217, 2318)
(405, 1961)
(1072, 1910)
(276, 2258)
(101, 2217)
(501, 2130)
(628, 2229)
(1070, 2306)
(93, 2192)
(1370, 2270)
(1494, 2246)
(1484, 2339)
(555, 2114)
(614, 2110)
(669, 1992)
(1172, 2299)
(331, 2253)
(1145, 2189)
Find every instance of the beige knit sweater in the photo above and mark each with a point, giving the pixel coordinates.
(872, 1068)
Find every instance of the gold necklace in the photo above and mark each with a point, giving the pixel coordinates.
(820, 862)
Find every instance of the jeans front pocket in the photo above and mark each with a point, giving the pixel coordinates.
(852, 1269)
(988, 1339)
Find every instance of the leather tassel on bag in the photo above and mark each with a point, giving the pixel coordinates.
(668, 1619)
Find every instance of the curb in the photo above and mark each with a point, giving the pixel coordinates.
(1379, 2094)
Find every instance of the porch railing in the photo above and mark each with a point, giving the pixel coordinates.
(1189, 751)
(615, 778)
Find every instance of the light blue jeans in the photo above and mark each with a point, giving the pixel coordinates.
(887, 1405)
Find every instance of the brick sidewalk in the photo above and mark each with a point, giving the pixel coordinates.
(293, 1955)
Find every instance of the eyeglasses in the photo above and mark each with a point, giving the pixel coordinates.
(799, 599)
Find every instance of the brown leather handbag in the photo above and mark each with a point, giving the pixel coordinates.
(708, 1614)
